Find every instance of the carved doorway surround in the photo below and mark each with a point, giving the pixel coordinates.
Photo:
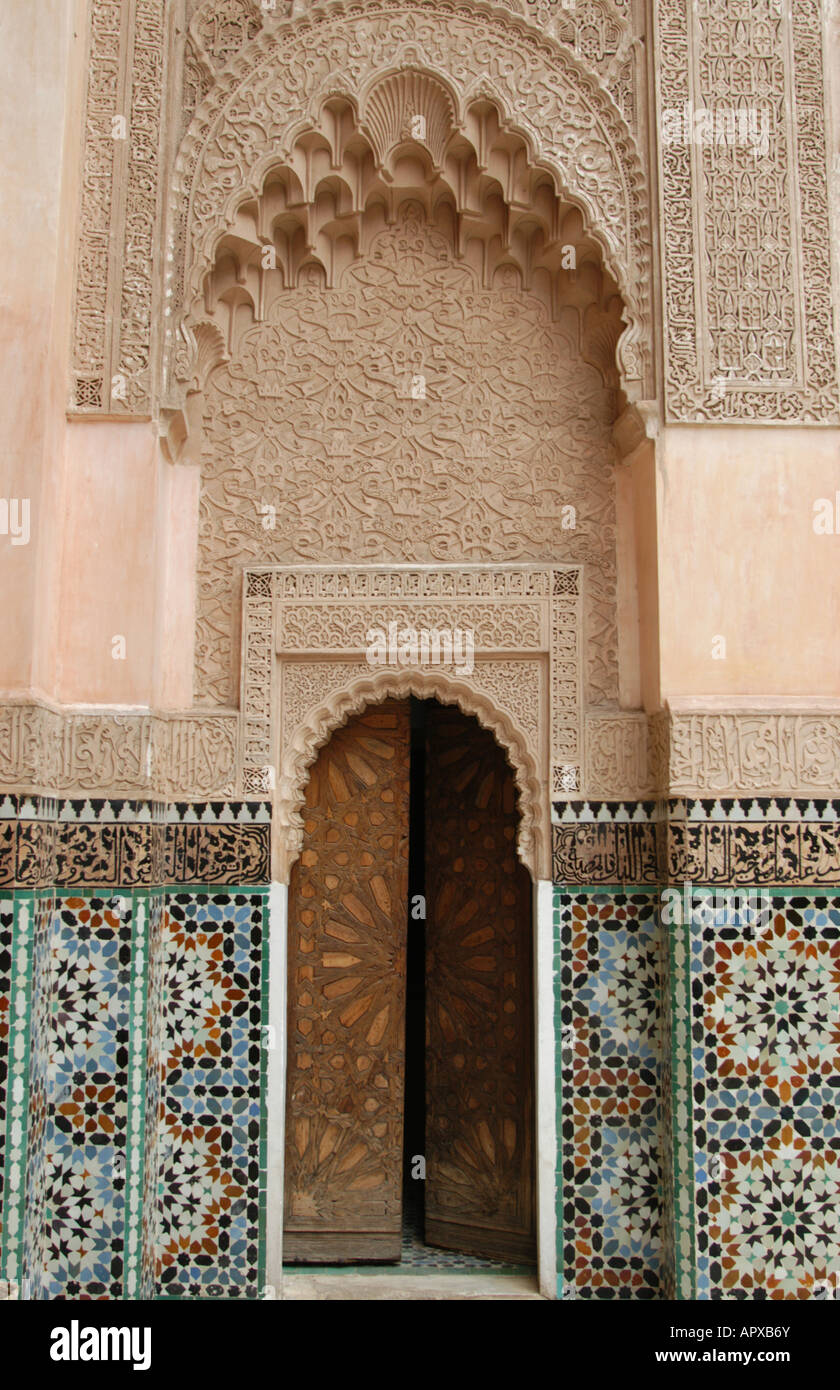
(305, 672)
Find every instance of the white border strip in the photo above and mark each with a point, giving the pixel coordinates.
(545, 1087)
(278, 900)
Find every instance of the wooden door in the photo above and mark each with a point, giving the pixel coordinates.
(347, 940)
(479, 1191)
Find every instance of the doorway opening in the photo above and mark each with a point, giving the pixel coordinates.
(410, 1091)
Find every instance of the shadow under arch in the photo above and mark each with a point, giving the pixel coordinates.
(297, 757)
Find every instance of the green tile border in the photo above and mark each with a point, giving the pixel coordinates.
(265, 967)
(133, 1212)
(17, 1081)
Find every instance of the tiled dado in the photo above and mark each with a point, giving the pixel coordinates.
(755, 1103)
(608, 1013)
(131, 1025)
(134, 1132)
(749, 1049)
(103, 843)
(751, 1102)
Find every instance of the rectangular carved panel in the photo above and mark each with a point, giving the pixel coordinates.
(118, 223)
(747, 268)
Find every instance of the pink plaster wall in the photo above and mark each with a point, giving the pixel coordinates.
(128, 569)
(738, 558)
(42, 68)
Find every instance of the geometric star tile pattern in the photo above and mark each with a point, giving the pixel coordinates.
(89, 1063)
(136, 1151)
(210, 1237)
(765, 1055)
(608, 1001)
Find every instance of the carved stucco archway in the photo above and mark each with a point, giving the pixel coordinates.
(281, 81)
(297, 757)
(305, 671)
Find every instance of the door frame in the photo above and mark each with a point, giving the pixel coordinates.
(304, 671)
(545, 1084)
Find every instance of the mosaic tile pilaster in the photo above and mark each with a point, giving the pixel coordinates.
(95, 1168)
(608, 1027)
(751, 908)
(7, 915)
(86, 973)
(608, 1014)
(765, 1127)
(212, 1164)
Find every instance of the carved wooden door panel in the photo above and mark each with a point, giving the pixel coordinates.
(479, 1191)
(347, 940)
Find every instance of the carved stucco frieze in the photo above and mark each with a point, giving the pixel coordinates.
(617, 760)
(517, 687)
(190, 756)
(533, 843)
(344, 626)
(220, 28)
(749, 331)
(625, 757)
(135, 58)
(702, 755)
(730, 754)
(600, 32)
(284, 77)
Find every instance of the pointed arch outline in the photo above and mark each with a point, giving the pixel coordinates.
(297, 758)
(589, 150)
